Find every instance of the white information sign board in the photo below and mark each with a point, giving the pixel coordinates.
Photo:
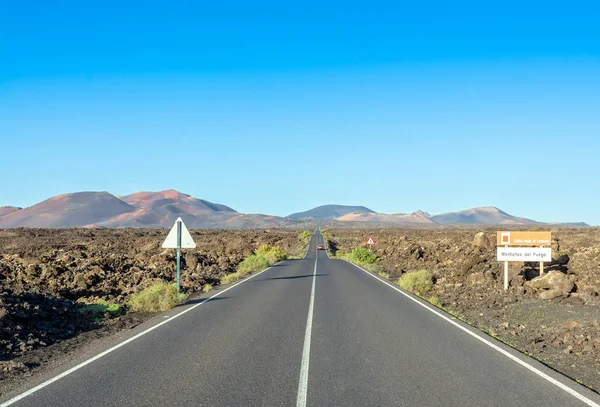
(525, 254)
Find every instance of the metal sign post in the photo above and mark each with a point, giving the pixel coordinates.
(178, 254)
(506, 274)
(541, 267)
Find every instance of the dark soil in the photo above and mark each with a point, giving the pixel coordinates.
(563, 332)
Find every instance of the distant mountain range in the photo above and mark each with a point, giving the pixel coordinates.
(489, 215)
(486, 215)
(161, 209)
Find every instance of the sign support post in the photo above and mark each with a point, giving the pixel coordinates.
(178, 254)
(506, 275)
(541, 267)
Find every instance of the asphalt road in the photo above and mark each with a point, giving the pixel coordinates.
(262, 343)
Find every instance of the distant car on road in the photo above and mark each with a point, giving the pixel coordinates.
(320, 247)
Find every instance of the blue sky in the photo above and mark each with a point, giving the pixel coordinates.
(274, 108)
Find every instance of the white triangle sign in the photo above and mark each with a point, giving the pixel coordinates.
(370, 242)
(186, 239)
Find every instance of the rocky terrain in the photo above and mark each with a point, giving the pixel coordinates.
(554, 317)
(47, 276)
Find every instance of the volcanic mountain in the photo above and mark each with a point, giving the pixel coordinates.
(161, 209)
(415, 217)
(5, 210)
(330, 212)
(68, 210)
(170, 198)
(486, 215)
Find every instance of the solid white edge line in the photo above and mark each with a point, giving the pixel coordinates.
(538, 372)
(307, 250)
(303, 381)
(106, 352)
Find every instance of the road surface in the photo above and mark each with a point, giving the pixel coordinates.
(309, 332)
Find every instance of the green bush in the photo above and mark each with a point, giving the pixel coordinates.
(264, 257)
(384, 275)
(230, 278)
(435, 300)
(99, 308)
(273, 254)
(255, 262)
(416, 281)
(362, 255)
(305, 236)
(156, 298)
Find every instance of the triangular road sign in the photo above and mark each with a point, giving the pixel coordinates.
(186, 239)
(371, 241)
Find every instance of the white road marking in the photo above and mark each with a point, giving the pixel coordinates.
(307, 250)
(526, 365)
(303, 382)
(106, 352)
